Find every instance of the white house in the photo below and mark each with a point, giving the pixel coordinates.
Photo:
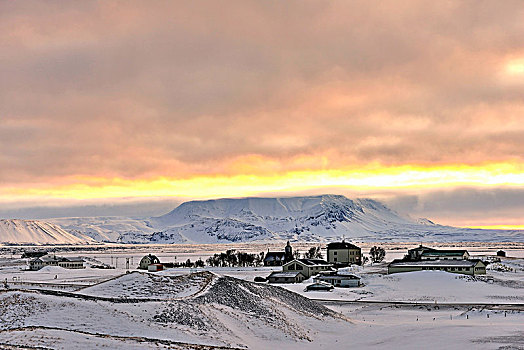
(339, 279)
(308, 267)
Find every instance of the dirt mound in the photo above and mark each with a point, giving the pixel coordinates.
(228, 301)
(146, 285)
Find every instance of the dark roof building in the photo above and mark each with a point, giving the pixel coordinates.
(53, 260)
(344, 254)
(148, 260)
(274, 258)
(467, 267)
(342, 245)
(279, 258)
(286, 277)
(434, 254)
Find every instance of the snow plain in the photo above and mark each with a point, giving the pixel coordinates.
(220, 308)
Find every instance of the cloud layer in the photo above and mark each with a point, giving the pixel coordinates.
(142, 89)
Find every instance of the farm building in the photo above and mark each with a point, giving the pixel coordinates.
(466, 267)
(308, 267)
(339, 279)
(286, 277)
(445, 255)
(52, 260)
(426, 253)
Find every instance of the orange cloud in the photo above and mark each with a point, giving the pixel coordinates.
(373, 177)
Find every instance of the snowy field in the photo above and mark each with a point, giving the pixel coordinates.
(221, 308)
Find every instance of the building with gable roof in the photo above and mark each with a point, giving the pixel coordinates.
(308, 267)
(148, 260)
(344, 254)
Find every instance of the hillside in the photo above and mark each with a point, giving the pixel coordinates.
(310, 218)
(37, 232)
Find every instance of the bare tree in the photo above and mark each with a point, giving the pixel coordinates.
(377, 254)
(313, 253)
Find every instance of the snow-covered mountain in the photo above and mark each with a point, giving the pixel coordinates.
(311, 218)
(37, 232)
(107, 228)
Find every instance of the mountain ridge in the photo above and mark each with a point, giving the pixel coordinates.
(17, 231)
(322, 218)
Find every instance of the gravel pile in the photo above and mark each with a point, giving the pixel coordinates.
(247, 303)
(254, 298)
(184, 313)
(145, 285)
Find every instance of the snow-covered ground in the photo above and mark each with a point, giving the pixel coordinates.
(222, 307)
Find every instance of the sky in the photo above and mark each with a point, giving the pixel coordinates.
(132, 107)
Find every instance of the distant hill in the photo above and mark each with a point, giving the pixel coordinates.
(309, 218)
(15, 231)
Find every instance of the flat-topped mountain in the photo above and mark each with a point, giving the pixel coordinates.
(308, 218)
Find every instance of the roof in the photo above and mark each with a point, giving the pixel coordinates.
(275, 256)
(48, 258)
(313, 262)
(444, 252)
(421, 247)
(278, 274)
(74, 259)
(437, 263)
(150, 256)
(342, 245)
(340, 277)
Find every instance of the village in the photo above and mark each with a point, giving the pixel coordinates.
(333, 271)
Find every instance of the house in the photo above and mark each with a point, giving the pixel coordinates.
(53, 260)
(286, 277)
(338, 279)
(466, 267)
(344, 254)
(308, 267)
(148, 260)
(279, 258)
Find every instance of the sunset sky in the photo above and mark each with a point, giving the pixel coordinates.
(131, 107)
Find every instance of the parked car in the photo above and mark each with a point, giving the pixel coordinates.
(260, 279)
(319, 286)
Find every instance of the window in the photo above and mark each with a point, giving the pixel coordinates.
(335, 252)
(335, 259)
(299, 267)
